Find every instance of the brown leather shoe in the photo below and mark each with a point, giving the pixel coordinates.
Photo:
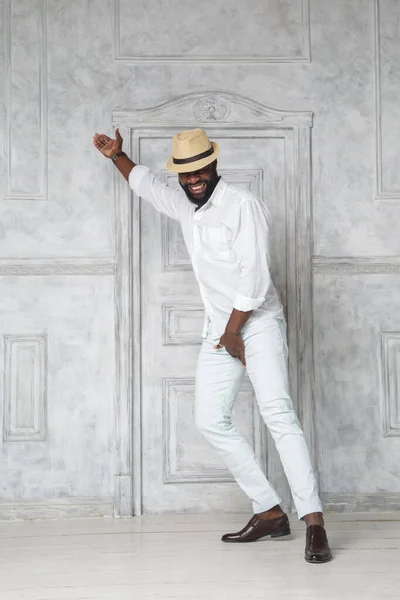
(317, 546)
(258, 528)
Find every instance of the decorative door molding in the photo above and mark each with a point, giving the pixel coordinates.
(225, 113)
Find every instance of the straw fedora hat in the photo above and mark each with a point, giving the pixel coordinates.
(191, 151)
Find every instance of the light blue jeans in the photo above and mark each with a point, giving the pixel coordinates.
(218, 381)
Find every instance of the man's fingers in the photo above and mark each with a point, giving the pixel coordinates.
(242, 354)
(99, 145)
(220, 344)
(102, 138)
(118, 135)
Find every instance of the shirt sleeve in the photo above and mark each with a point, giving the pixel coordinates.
(251, 249)
(163, 197)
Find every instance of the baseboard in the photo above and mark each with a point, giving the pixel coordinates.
(378, 502)
(11, 510)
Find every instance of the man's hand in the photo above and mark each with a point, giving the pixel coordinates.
(107, 145)
(234, 345)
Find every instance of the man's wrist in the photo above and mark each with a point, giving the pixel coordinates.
(117, 155)
(236, 322)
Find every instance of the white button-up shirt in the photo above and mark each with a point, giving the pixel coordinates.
(227, 241)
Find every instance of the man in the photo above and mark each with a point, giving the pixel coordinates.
(226, 232)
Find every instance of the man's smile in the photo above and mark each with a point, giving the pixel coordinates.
(198, 188)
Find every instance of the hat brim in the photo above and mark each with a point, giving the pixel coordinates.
(194, 166)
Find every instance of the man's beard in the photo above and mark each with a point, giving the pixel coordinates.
(199, 201)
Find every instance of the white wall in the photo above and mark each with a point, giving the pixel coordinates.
(68, 67)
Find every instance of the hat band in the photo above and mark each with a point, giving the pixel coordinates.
(192, 159)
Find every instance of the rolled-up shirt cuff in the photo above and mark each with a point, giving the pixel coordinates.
(136, 176)
(245, 304)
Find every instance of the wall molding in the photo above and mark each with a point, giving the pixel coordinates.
(379, 265)
(56, 266)
(170, 231)
(390, 359)
(237, 111)
(25, 388)
(173, 472)
(171, 315)
(12, 509)
(382, 194)
(304, 57)
(353, 503)
(41, 193)
(235, 116)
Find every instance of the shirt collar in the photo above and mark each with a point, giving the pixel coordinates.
(218, 193)
(216, 196)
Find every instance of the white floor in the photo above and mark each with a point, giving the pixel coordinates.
(182, 557)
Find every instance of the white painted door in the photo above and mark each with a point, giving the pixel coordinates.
(180, 471)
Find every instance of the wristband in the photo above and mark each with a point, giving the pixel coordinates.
(114, 158)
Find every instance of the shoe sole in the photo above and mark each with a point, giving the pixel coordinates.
(273, 536)
(318, 562)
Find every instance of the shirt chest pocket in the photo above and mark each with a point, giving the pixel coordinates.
(217, 241)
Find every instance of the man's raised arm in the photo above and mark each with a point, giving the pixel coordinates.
(165, 199)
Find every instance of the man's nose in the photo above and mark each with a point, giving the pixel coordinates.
(193, 179)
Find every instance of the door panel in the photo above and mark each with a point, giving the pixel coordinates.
(181, 472)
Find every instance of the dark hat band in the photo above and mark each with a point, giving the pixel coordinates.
(192, 159)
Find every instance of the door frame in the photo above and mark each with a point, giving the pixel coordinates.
(210, 110)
